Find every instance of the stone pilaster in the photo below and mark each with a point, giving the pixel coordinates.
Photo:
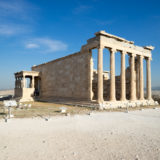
(100, 74)
(23, 82)
(112, 75)
(149, 96)
(32, 83)
(15, 82)
(123, 77)
(141, 85)
(133, 86)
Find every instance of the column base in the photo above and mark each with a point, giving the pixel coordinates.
(123, 99)
(113, 99)
(100, 101)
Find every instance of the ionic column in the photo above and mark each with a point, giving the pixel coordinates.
(100, 74)
(112, 75)
(141, 85)
(149, 96)
(133, 86)
(123, 77)
(138, 77)
(32, 85)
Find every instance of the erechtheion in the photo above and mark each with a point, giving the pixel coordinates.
(73, 77)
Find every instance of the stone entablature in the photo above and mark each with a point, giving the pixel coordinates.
(110, 41)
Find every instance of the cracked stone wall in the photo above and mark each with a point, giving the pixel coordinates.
(67, 77)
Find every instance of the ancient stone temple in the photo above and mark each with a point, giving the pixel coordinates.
(73, 77)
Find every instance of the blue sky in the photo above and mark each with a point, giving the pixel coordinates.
(36, 31)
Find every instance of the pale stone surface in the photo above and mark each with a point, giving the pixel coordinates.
(99, 136)
(148, 79)
(65, 78)
(73, 77)
(123, 77)
(100, 74)
(112, 75)
(141, 79)
(133, 89)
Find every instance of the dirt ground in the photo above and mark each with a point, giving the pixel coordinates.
(46, 110)
(6, 92)
(98, 136)
(43, 109)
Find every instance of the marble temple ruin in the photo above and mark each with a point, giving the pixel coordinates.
(73, 77)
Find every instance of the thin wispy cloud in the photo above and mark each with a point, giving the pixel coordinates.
(17, 9)
(45, 45)
(11, 6)
(12, 29)
(16, 17)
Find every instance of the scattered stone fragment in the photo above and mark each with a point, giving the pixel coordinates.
(46, 119)
(6, 120)
(137, 157)
(64, 156)
(67, 114)
(74, 153)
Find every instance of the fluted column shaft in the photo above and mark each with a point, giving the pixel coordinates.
(141, 79)
(112, 75)
(138, 77)
(123, 77)
(100, 74)
(133, 86)
(149, 96)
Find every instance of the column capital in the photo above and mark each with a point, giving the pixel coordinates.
(133, 55)
(100, 46)
(148, 58)
(113, 50)
(142, 56)
(124, 52)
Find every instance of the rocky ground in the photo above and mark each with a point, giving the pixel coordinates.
(156, 95)
(98, 136)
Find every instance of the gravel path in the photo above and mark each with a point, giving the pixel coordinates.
(99, 136)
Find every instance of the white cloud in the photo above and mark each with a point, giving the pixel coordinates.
(46, 45)
(32, 45)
